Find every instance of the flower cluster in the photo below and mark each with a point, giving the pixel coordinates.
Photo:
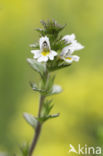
(45, 52)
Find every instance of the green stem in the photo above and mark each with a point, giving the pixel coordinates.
(42, 98)
(38, 128)
(39, 125)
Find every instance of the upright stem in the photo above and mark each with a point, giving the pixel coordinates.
(41, 103)
(38, 128)
(39, 125)
(35, 139)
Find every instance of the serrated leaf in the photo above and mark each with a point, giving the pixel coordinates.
(36, 88)
(47, 106)
(58, 44)
(58, 67)
(53, 116)
(37, 66)
(31, 120)
(44, 118)
(50, 28)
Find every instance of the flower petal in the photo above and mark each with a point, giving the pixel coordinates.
(43, 39)
(69, 38)
(36, 53)
(43, 59)
(75, 58)
(67, 50)
(76, 46)
(71, 48)
(68, 60)
(52, 55)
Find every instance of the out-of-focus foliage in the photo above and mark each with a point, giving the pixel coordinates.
(81, 103)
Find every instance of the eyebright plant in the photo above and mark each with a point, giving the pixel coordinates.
(51, 53)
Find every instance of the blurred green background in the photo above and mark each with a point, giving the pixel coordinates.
(81, 102)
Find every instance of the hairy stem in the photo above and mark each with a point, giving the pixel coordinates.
(39, 125)
(38, 128)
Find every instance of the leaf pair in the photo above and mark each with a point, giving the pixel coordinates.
(51, 89)
(37, 88)
(56, 65)
(47, 88)
(46, 108)
(42, 119)
(33, 121)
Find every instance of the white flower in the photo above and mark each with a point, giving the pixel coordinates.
(45, 53)
(67, 52)
(69, 38)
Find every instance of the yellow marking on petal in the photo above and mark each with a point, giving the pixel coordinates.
(45, 53)
(68, 58)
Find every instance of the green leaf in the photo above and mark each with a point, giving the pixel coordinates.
(38, 67)
(47, 106)
(51, 29)
(53, 116)
(36, 88)
(31, 120)
(57, 64)
(58, 67)
(50, 89)
(56, 89)
(25, 149)
(49, 83)
(45, 118)
(58, 44)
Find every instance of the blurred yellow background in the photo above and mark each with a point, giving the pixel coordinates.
(81, 102)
